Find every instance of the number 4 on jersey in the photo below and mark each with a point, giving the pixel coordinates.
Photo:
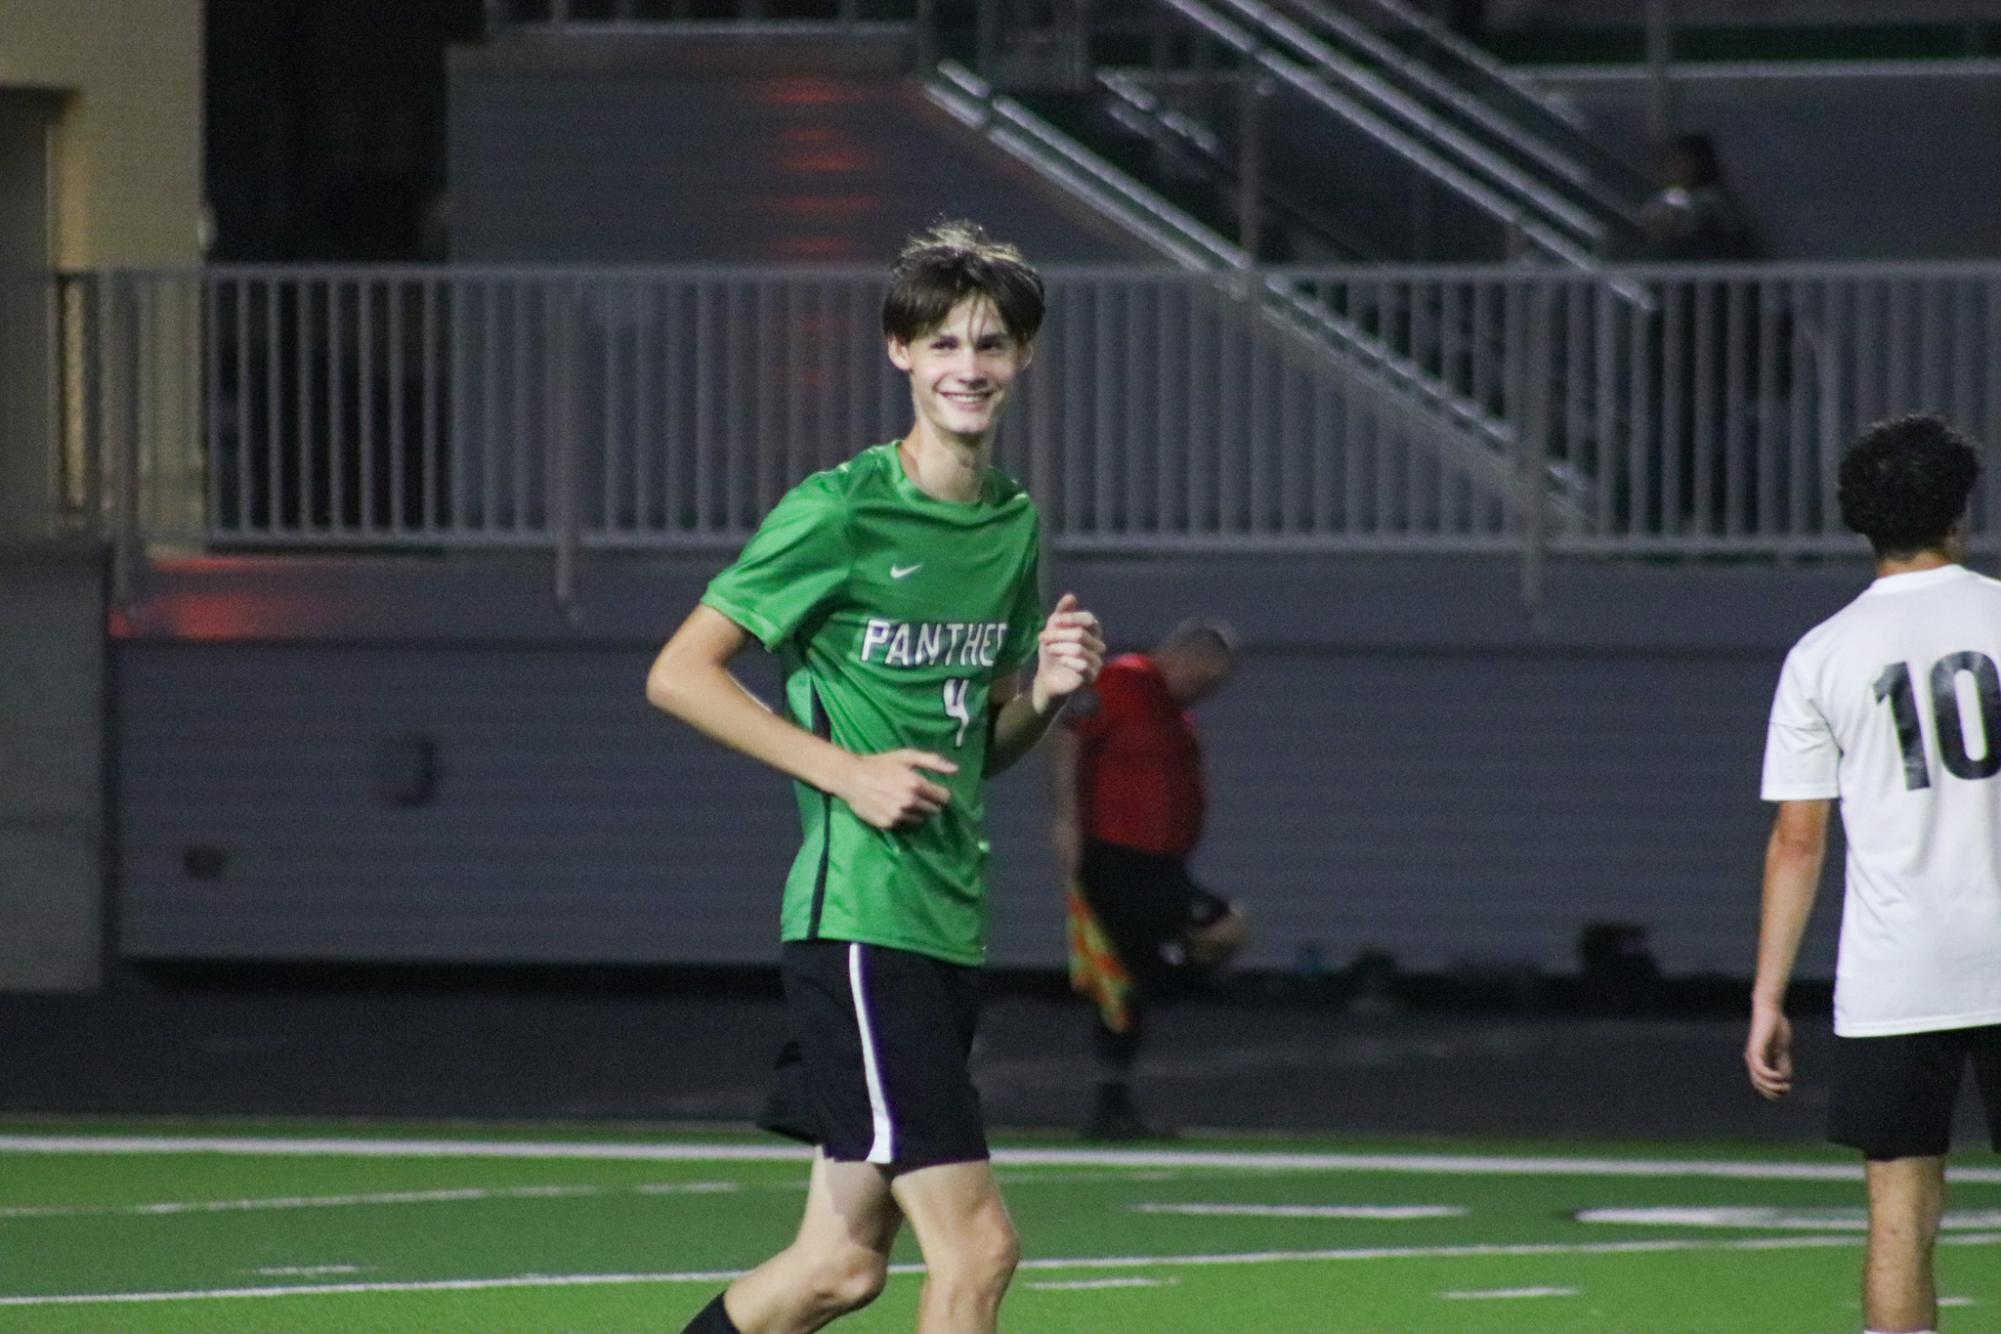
(1894, 685)
(955, 707)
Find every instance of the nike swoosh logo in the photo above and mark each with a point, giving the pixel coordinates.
(899, 571)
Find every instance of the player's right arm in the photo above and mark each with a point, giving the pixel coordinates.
(1793, 857)
(691, 680)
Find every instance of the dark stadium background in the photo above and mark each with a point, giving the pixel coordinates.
(1479, 773)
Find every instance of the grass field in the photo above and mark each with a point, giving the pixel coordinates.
(450, 1230)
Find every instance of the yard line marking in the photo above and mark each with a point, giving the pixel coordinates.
(1246, 1160)
(1095, 1284)
(1768, 1218)
(352, 1289)
(1039, 1263)
(1957, 1301)
(1506, 1294)
(304, 1271)
(1389, 1213)
(1008, 1177)
(453, 1196)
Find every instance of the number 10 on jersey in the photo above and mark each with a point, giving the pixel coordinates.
(1894, 686)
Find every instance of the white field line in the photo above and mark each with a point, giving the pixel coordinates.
(455, 1196)
(168, 1208)
(1012, 1177)
(1387, 1213)
(1077, 1262)
(1505, 1294)
(1767, 1219)
(1098, 1284)
(1249, 1160)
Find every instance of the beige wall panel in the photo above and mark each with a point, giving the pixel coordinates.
(129, 143)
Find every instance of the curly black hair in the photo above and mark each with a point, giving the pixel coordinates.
(1905, 482)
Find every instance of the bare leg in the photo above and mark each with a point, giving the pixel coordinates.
(1906, 1199)
(835, 1265)
(969, 1244)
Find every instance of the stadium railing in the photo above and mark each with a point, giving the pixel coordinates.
(1521, 409)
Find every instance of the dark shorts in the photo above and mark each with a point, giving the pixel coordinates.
(1893, 1097)
(874, 1069)
(1147, 904)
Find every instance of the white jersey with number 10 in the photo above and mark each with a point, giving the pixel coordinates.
(1893, 705)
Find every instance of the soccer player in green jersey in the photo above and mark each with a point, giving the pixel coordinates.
(899, 592)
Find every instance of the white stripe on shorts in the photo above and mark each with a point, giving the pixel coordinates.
(883, 1148)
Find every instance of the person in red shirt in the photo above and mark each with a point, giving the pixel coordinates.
(1129, 805)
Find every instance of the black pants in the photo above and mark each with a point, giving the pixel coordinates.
(1147, 904)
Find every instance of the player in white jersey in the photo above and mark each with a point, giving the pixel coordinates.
(1893, 707)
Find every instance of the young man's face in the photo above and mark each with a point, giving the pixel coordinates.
(960, 372)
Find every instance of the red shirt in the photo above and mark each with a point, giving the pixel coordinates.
(1139, 768)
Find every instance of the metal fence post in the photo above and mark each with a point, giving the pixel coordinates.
(1250, 162)
(119, 383)
(563, 498)
(1532, 439)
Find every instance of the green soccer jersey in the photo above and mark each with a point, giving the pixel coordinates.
(891, 612)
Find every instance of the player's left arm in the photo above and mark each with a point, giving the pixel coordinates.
(1793, 858)
(1068, 654)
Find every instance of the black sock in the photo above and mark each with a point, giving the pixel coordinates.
(712, 1320)
(1115, 1051)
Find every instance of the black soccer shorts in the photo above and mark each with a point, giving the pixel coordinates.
(1893, 1097)
(875, 1068)
(1147, 904)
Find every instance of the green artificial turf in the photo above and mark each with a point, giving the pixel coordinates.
(422, 1239)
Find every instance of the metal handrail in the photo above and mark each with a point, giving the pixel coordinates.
(1496, 74)
(1447, 142)
(1071, 167)
(1456, 425)
(1567, 165)
(1202, 19)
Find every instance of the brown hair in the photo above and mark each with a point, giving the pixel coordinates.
(948, 262)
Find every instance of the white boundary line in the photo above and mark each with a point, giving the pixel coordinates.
(1381, 1213)
(1246, 1160)
(471, 1194)
(1083, 1263)
(1504, 1294)
(1764, 1218)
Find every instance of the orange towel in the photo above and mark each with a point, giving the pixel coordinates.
(1095, 970)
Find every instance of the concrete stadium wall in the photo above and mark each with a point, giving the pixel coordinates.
(1408, 762)
(783, 151)
(52, 883)
(100, 164)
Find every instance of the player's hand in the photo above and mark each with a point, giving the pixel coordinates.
(1069, 653)
(890, 790)
(1768, 1052)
